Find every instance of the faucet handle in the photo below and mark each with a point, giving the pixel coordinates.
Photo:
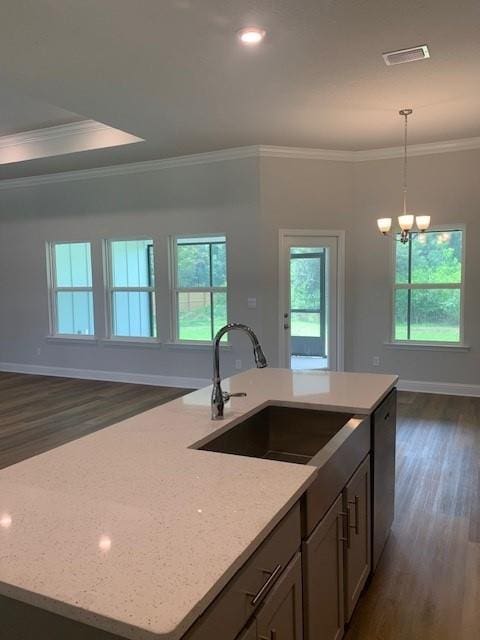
(226, 396)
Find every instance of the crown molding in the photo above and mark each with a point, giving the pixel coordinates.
(302, 153)
(237, 153)
(429, 148)
(146, 166)
(386, 153)
(50, 133)
(66, 138)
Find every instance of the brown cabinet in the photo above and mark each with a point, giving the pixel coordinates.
(336, 559)
(250, 633)
(280, 617)
(322, 556)
(253, 585)
(356, 503)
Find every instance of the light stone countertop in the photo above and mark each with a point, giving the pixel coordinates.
(132, 531)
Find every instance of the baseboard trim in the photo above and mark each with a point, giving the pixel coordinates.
(419, 386)
(107, 376)
(443, 388)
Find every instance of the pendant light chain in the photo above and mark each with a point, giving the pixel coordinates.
(405, 114)
(406, 220)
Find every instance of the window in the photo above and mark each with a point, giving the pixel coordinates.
(71, 294)
(200, 287)
(428, 289)
(131, 290)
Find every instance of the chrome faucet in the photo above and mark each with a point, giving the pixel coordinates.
(219, 397)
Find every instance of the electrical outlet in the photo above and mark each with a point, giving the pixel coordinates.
(238, 364)
(39, 351)
(376, 361)
(252, 303)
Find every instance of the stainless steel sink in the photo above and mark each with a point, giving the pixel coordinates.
(281, 433)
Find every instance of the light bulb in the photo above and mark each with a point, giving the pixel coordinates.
(251, 35)
(5, 520)
(423, 222)
(406, 222)
(384, 225)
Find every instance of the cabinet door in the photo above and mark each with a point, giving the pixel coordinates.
(280, 617)
(322, 556)
(357, 556)
(250, 633)
(383, 480)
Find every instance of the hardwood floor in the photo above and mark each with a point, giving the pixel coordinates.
(427, 585)
(38, 413)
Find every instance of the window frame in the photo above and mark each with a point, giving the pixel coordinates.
(109, 290)
(53, 289)
(412, 286)
(175, 289)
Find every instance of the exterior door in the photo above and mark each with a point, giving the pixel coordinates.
(309, 301)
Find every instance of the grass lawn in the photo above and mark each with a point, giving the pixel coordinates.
(428, 333)
(305, 328)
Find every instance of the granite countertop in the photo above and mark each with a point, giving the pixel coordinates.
(135, 532)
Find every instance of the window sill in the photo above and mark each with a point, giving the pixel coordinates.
(60, 339)
(145, 343)
(429, 346)
(202, 346)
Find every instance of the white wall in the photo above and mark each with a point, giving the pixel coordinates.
(447, 187)
(208, 198)
(248, 199)
(298, 193)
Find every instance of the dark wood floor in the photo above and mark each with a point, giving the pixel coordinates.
(427, 586)
(38, 413)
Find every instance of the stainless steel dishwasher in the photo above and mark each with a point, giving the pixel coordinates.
(383, 435)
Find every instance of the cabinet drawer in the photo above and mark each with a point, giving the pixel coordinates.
(236, 603)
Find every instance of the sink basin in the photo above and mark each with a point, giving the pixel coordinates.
(280, 433)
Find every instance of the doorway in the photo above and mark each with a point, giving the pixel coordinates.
(311, 299)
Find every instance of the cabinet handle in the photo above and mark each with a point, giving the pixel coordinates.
(387, 416)
(266, 586)
(356, 525)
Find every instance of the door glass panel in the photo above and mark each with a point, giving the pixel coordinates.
(308, 308)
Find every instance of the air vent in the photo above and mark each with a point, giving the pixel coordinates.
(406, 55)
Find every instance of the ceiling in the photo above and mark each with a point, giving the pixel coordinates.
(172, 72)
(18, 113)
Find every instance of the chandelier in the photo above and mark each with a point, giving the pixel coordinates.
(406, 220)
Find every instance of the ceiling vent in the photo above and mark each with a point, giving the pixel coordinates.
(406, 55)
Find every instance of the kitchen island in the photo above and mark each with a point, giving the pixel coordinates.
(135, 531)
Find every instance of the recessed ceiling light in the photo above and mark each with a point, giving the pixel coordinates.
(251, 35)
